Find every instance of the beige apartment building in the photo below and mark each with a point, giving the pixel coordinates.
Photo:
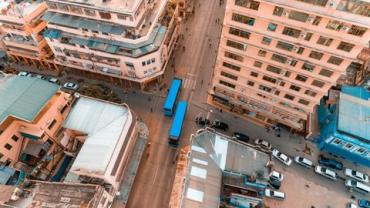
(126, 42)
(278, 58)
(21, 27)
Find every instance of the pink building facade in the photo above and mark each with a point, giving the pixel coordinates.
(278, 58)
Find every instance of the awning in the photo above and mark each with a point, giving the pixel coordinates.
(33, 148)
(31, 133)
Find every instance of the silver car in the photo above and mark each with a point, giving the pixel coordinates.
(326, 172)
(303, 161)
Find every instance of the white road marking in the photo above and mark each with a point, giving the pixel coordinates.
(155, 175)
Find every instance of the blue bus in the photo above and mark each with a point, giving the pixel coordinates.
(176, 128)
(169, 104)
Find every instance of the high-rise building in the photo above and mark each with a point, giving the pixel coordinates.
(278, 58)
(113, 40)
(21, 27)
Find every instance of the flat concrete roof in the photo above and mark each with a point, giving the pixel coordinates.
(124, 5)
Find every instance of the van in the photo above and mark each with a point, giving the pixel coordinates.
(357, 186)
(274, 194)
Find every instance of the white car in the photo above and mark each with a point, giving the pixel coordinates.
(351, 205)
(70, 86)
(263, 144)
(53, 80)
(303, 161)
(282, 157)
(274, 194)
(274, 175)
(23, 74)
(356, 175)
(326, 172)
(357, 186)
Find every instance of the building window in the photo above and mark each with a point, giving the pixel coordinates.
(1, 155)
(357, 30)
(273, 69)
(298, 16)
(233, 56)
(250, 83)
(257, 64)
(231, 66)
(105, 15)
(143, 63)
(335, 60)
(279, 58)
(240, 33)
(300, 50)
(293, 62)
(269, 79)
(266, 40)
(317, 20)
(153, 60)
(326, 73)
(230, 76)
(264, 88)
(262, 53)
(308, 67)
(295, 88)
(227, 84)
(122, 16)
(289, 97)
(360, 150)
(254, 74)
(315, 2)
(64, 109)
(308, 36)
(317, 83)
(303, 102)
(15, 138)
(8, 146)
(52, 124)
(90, 12)
(301, 78)
(348, 146)
(284, 46)
(272, 27)
(291, 32)
(344, 46)
(76, 10)
(324, 41)
(248, 4)
(335, 25)
(278, 11)
(310, 93)
(236, 45)
(316, 55)
(243, 19)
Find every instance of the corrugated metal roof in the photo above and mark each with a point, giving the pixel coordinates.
(354, 116)
(103, 123)
(24, 97)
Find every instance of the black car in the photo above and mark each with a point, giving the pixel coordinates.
(202, 121)
(330, 163)
(220, 125)
(241, 137)
(274, 183)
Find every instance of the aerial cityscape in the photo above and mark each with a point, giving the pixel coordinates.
(185, 103)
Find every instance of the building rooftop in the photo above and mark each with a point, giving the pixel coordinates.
(20, 8)
(211, 155)
(24, 97)
(354, 112)
(104, 123)
(121, 5)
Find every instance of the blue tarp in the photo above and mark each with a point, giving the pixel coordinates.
(58, 176)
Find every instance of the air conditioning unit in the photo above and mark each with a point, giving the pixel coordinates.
(303, 35)
(345, 28)
(332, 3)
(295, 49)
(286, 13)
(289, 61)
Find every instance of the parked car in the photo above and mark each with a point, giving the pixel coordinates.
(351, 205)
(70, 86)
(38, 76)
(282, 157)
(326, 172)
(202, 121)
(241, 137)
(274, 175)
(23, 74)
(274, 194)
(356, 175)
(331, 163)
(363, 203)
(274, 183)
(357, 186)
(263, 144)
(220, 125)
(303, 161)
(54, 80)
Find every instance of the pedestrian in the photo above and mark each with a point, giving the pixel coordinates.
(210, 44)
(201, 82)
(151, 110)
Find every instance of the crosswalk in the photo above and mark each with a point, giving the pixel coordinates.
(189, 83)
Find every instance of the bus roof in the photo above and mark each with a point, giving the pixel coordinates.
(172, 94)
(179, 119)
